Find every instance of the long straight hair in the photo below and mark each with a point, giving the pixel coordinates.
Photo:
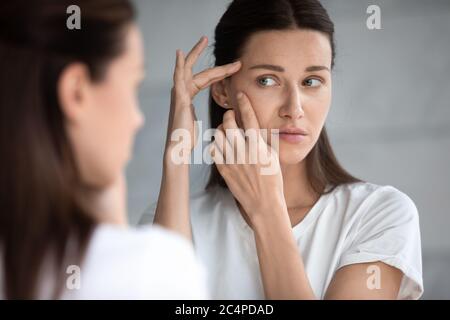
(241, 20)
(42, 216)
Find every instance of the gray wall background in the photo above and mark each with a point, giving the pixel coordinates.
(390, 117)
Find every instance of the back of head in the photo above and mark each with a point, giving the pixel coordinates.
(40, 182)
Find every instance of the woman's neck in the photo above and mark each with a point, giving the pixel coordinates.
(297, 190)
(107, 205)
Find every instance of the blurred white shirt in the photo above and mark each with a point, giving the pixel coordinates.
(132, 263)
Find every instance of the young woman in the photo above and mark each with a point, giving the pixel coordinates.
(310, 231)
(68, 117)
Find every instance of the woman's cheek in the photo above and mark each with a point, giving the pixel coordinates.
(116, 132)
(265, 103)
(317, 120)
(263, 100)
(124, 132)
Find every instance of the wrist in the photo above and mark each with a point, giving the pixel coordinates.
(269, 204)
(272, 229)
(273, 213)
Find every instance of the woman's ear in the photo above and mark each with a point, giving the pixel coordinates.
(72, 91)
(220, 95)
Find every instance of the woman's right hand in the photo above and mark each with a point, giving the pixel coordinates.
(172, 211)
(185, 87)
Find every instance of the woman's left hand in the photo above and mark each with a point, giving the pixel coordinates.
(249, 166)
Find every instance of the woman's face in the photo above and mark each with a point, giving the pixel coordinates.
(286, 75)
(103, 128)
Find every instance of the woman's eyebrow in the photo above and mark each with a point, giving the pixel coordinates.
(316, 68)
(281, 69)
(269, 67)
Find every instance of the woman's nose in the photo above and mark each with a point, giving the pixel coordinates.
(292, 107)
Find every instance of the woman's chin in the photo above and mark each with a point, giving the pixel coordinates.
(290, 158)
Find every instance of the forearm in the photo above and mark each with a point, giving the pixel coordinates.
(282, 270)
(172, 209)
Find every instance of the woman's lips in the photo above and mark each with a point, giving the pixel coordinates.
(291, 137)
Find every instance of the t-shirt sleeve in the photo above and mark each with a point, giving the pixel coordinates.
(148, 215)
(388, 231)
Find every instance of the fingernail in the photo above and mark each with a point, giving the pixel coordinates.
(239, 95)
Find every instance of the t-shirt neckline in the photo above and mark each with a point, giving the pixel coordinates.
(299, 229)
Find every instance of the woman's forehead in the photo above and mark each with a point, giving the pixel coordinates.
(288, 47)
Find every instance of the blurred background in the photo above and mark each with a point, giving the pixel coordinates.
(390, 118)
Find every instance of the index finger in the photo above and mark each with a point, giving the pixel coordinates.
(193, 55)
(248, 116)
(209, 76)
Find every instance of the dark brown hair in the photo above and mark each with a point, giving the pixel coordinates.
(241, 20)
(41, 211)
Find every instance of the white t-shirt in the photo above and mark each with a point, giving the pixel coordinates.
(356, 223)
(133, 263)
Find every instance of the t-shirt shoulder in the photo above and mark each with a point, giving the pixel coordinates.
(364, 196)
(386, 228)
(364, 189)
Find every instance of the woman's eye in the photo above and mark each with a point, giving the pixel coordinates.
(267, 82)
(312, 82)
